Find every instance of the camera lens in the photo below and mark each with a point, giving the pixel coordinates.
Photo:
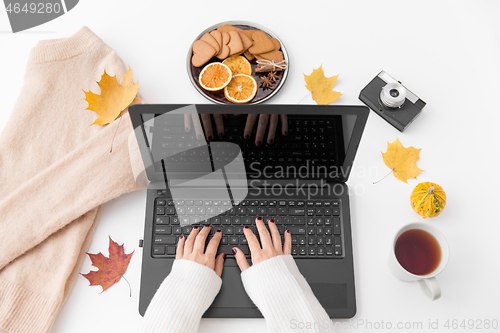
(393, 95)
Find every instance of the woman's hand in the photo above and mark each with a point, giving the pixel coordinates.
(206, 123)
(193, 248)
(271, 244)
(263, 121)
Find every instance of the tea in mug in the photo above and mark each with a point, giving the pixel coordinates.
(418, 251)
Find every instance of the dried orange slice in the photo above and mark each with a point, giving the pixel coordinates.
(215, 76)
(238, 65)
(241, 89)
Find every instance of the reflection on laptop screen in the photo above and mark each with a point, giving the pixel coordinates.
(314, 147)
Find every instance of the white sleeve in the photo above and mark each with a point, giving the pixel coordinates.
(284, 297)
(183, 297)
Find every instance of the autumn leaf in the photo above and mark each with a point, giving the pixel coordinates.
(110, 269)
(402, 161)
(114, 97)
(321, 87)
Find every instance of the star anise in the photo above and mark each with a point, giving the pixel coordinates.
(273, 76)
(266, 83)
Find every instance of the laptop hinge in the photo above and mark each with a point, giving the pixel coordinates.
(263, 183)
(164, 173)
(251, 183)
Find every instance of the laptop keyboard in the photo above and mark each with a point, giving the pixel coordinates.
(314, 225)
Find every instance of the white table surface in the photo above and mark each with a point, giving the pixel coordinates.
(446, 52)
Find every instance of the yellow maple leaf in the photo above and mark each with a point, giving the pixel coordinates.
(402, 160)
(114, 97)
(321, 86)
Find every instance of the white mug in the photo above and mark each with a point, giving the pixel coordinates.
(427, 282)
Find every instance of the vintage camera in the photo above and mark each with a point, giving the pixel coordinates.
(392, 101)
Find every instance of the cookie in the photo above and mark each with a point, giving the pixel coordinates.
(217, 35)
(276, 54)
(248, 33)
(261, 43)
(235, 44)
(211, 40)
(202, 52)
(273, 55)
(276, 43)
(247, 42)
(248, 55)
(224, 53)
(227, 28)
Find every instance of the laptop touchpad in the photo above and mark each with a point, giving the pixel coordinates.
(331, 295)
(232, 293)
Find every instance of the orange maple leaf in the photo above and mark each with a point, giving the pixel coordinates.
(321, 86)
(114, 97)
(110, 269)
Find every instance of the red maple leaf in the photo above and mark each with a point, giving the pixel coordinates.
(110, 269)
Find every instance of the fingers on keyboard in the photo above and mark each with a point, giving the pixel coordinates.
(315, 226)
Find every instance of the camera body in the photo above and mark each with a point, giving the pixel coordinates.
(392, 101)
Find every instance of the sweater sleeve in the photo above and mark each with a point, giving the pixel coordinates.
(183, 297)
(284, 297)
(84, 179)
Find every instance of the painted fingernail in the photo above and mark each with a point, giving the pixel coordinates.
(206, 225)
(247, 137)
(224, 256)
(182, 237)
(271, 141)
(288, 231)
(259, 218)
(286, 132)
(271, 221)
(245, 227)
(258, 143)
(187, 129)
(219, 230)
(221, 134)
(195, 227)
(234, 250)
(209, 138)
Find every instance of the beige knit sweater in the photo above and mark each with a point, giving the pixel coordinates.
(55, 173)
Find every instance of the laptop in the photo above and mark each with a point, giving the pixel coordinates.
(299, 181)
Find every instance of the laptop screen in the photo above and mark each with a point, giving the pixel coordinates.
(181, 143)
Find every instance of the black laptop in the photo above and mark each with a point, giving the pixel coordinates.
(298, 180)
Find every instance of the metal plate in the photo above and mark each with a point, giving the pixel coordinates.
(218, 96)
